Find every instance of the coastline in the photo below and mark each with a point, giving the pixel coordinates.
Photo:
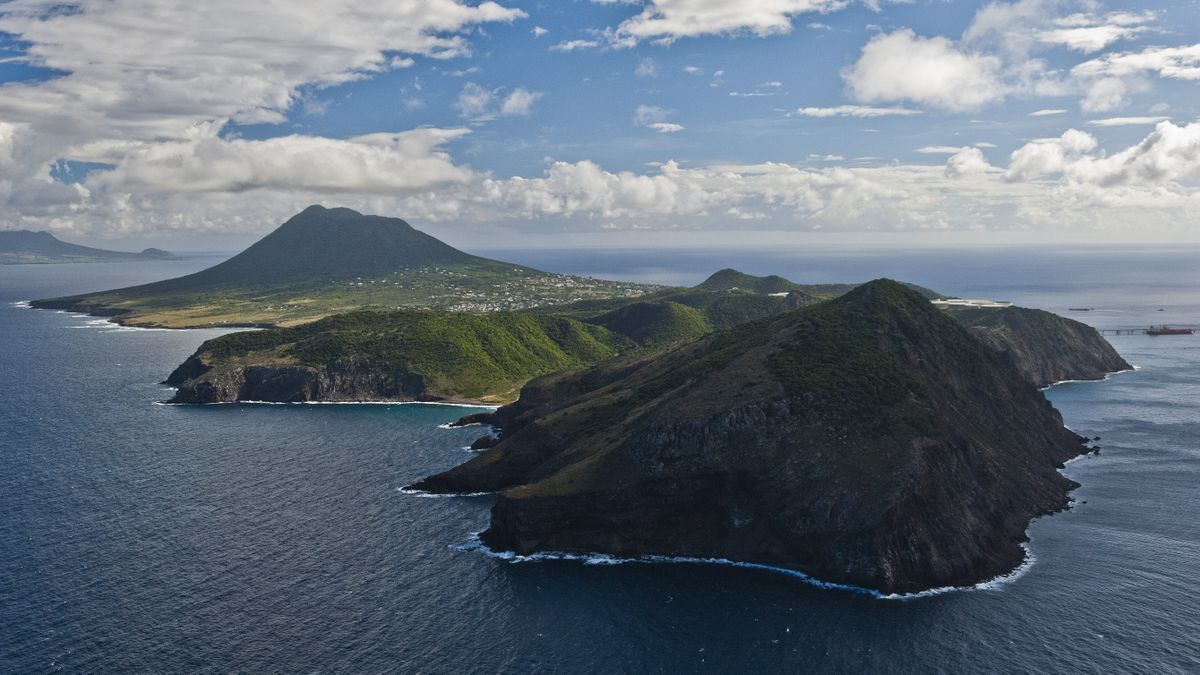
(476, 544)
(446, 404)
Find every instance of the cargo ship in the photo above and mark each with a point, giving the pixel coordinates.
(1165, 330)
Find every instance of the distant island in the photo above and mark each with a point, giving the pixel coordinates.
(22, 247)
(323, 262)
(871, 440)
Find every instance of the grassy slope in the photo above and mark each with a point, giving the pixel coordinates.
(484, 357)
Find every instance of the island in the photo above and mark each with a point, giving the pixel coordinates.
(23, 247)
(872, 440)
(875, 435)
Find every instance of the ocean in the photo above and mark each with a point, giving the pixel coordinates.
(138, 537)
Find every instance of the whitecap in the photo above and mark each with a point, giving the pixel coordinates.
(1107, 377)
(439, 495)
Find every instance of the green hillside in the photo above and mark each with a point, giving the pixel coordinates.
(455, 356)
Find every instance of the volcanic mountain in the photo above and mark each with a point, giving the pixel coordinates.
(326, 261)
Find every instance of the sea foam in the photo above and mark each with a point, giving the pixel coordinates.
(475, 544)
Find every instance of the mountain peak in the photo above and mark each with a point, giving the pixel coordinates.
(730, 279)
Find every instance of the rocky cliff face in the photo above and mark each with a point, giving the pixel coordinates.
(1046, 347)
(871, 440)
(343, 380)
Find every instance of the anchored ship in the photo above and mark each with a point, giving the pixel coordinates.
(1166, 330)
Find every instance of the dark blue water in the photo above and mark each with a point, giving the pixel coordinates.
(148, 538)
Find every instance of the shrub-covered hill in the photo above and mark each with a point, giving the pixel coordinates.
(869, 440)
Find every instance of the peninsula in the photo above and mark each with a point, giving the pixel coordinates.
(870, 440)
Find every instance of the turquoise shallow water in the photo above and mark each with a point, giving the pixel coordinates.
(149, 538)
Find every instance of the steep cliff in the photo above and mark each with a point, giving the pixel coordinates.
(1046, 347)
(869, 440)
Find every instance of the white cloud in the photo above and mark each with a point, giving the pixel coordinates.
(1088, 32)
(646, 67)
(1181, 63)
(853, 111)
(1047, 111)
(576, 45)
(474, 101)
(967, 162)
(147, 80)
(1088, 39)
(1059, 184)
(669, 20)
(538, 31)
(941, 149)
(1104, 95)
(1164, 160)
(519, 103)
(1127, 121)
(138, 70)
(480, 104)
(655, 117)
(405, 161)
(1049, 155)
(903, 66)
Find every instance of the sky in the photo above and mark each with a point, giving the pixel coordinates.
(604, 122)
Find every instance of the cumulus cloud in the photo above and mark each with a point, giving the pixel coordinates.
(1067, 182)
(967, 162)
(904, 67)
(997, 57)
(200, 62)
(379, 162)
(144, 81)
(1049, 155)
(1165, 159)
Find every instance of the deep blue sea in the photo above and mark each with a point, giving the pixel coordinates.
(137, 537)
